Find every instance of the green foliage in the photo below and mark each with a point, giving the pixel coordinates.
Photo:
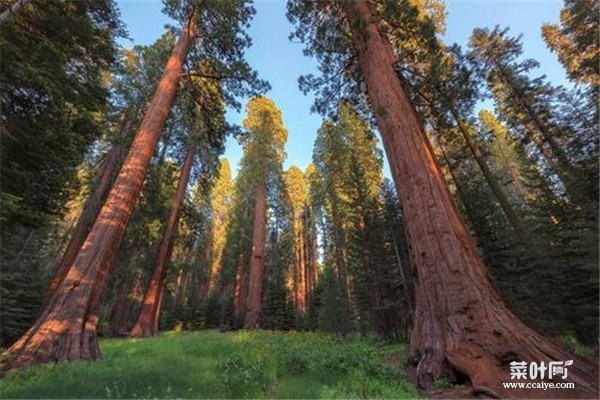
(443, 383)
(54, 99)
(23, 281)
(333, 313)
(221, 365)
(241, 376)
(553, 167)
(574, 40)
(570, 340)
(361, 284)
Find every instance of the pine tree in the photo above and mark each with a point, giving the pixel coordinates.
(524, 104)
(575, 40)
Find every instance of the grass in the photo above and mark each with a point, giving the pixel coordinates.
(209, 364)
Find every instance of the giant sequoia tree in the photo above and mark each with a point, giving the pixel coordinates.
(136, 79)
(221, 197)
(263, 155)
(462, 331)
(207, 135)
(298, 279)
(66, 328)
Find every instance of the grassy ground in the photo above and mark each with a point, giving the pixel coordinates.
(210, 364)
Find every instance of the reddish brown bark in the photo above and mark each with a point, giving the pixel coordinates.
(147, 323)
(463, 331)
(110, 166)
(238, 289)
(313, 262)
(300, 267)
(254, 301)
(66, 328)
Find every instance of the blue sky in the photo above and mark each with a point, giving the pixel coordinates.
(282, 62)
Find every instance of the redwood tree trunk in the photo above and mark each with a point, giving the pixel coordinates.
(463, 331)
(147, 323)
(238, 289)
(254, 302)
(65, 330)
(300, 266)
(91, 208)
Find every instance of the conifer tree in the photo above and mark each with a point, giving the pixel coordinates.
(298, 276)
(54, 106)
(524, 104)
(263, 155)
(221, 198)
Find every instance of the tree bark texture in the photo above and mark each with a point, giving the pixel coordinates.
(300, 265)
(66, 328)
(238, 289)
(463, 331)
(254, 301)
(110, 166)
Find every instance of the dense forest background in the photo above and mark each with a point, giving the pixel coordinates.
(320, 248)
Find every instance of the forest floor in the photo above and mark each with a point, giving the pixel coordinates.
(210, 364)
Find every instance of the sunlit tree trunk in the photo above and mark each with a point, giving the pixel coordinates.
(110, 166)
(254, 301)
(300, 266)
(66, 328)
(147, 323)
(463, 331)
(238, 289)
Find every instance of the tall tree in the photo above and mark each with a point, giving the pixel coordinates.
(106, 174)
(461, 324)
(350, 166)
(207, 137)
(221, 198)
(575, 41)
(263, 155)
(136, 79)
(524, 103)
(66, 328)
(147, 324)
(298, 276)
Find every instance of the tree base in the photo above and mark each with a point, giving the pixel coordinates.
(48, 345)
(478, 357)
(139, 332)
